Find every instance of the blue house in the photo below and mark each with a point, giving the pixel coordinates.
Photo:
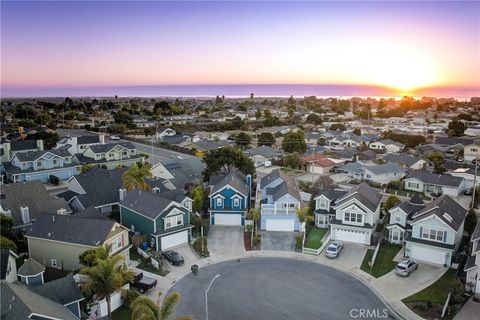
(230, 198)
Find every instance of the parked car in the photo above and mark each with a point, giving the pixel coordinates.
(114, 138)
(468, 192)
(173, 257)
(405, 267)
(334, 249)
(143, 283)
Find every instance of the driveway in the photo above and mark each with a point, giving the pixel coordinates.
(275, 288)
(351, 256)
(225, 240)
(278, 240)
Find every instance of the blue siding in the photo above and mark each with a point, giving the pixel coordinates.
(62, 174)
(74, 308)
(142, 224)
(33, 281)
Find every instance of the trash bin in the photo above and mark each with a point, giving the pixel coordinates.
(194, 269)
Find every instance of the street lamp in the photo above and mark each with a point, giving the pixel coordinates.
(206, 295)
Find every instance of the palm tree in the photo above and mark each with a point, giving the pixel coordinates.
(303, 216)
(254, 215)
(144, 308)
(105, 277)
(135, 176)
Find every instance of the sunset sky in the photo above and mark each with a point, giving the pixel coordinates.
(404, 46)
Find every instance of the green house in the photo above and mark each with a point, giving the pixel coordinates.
(164, 217)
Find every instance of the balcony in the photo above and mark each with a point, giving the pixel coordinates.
(270, 209)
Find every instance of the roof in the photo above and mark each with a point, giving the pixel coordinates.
(388, 141)
(234, 179)
(476, 232)
(64, 290)
(269, 178)
(186, 170)
(368, 196)
(412, 206)
(34, 155)
(265, 151)
(385, 168)
(23, 145)
(147, 203)
(401, 159)
(206, 145)
(88, 139)
(30, 268)
(446, 209)
(288, 186)
(71, 229)
(176, 139)
(331, 194)
(454, 141)
(356, 167)
(19, 302)
(104, 148)
(33, 195)
(435, 178)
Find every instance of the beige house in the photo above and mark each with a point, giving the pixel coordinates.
(57, 241)
(471, 152)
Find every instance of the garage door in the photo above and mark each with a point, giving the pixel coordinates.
(174, 240)
(427, 254)
(280, 225)
(350, 236)
(228, 219)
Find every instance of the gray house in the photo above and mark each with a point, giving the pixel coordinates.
(427, 182)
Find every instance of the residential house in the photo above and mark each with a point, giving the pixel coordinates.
(111, 155)
(436, 232)
(469, 175)
(76, 145)
(206, 145)
(8, 266)
(57, 241)
(356, 215)
(472, 266)
(325, 206)
(9, 148)
(401, 217)
(318, 163)
(39, 165)
(434, 183)
(163, 132)
(263, 156)
(367, 155)
(163, 217)
(471, 152)
(185, 171)
(182, 141)
(20, 302)
(25, 201)
(387, 145)
(280, 200)
(472, 131)
(407, 161)
(383, 173)
(229, 198)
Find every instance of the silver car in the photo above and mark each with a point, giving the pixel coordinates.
(405, 267)
(334, 249)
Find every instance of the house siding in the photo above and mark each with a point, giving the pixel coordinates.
(74, 308)
(142, 224)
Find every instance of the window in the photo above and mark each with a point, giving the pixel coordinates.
(39, 163)
(353, 217)
(54, 263)
(412, 185)
(117, 243)
(219, 202)
(54, 161)
(322, 204)
(174, 221)
(236, 202)
(474, 150)
(124, 153)
(397, 218)
(432, 234)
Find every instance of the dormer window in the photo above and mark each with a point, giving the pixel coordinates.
(219, 202)
(236, 202)
(39, 163)
(322, 203)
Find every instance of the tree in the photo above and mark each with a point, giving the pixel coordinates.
(292, 160)
(254, 214)
(198, 198)
(314, 119)
(294, 142)
(267, 113)
(323, 182)
(458, 291)
(437, 158)
(91, 257)
(338, 127)
(135, 176)
(391, 202)
(50, 139)
(162, 107)
(456, 128)
(266, 139)
(85, 168)
(144, 308)
(243, 140)
(303, 216)
(226, 159)
(123, 117)
(6, 243)
(258, 114)
(357, 131)
(106, 277)
(470, 221)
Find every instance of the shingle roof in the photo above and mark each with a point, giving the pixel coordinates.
(4, 256)
(210, 145)
(454, 141)
(388, 141)
(332, 195)
(33, 195)
(63, 290)
(176, 139)
(368, 196)
(34, 155)
(30, 268)
(385, 168)
(288, 186)
(476, 232)
(88, 139)
(401, 159)
(265, 151)
(71, 229)
(145, 202)
(269, 178)
(435, 178)
(186, 170)
(104, 148)
(23, 145)
(235, 179)
(19, 302)
(445, 208)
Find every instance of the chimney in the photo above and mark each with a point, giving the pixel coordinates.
(74, 142)
(101, 138)
(40, 145)
(122, 194)
(25, 213)
(6, 151)
(61, 211)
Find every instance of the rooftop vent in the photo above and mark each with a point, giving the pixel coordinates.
(448, 217)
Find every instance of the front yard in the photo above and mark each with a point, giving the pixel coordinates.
(122, 313)
(384, 262)
(146, 264)
(314, 238)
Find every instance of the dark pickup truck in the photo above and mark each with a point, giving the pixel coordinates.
(143, 283)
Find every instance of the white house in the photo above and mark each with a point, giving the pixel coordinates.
(436, 231)
(427, 182)
(325, 206)
(407, 161)
(384, 173)
(356, 215)
(76, 145)
(472, 266)
(387, 145)
(469, 175)
(164, 132)
(473, 131)
(471, 152)
(401, 217)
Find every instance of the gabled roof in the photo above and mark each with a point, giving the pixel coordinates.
(34, 155)
(435, 178)
(186, 170)
(331, 194)
(30, 268)
(264, 151)
(4, 256)
(71, 229)
(269, 178)
(454, 141)
(19, 302)
(234, 179)
(88, 139)
(446, 209)
(401, 159)
(64, 290)
(176, 139)
(105, 148)
(385, 168)
(476, 232)
(23, 145)
(288, 186)
(147, 203)
(412, 206)
(388, 141)
(365, 194)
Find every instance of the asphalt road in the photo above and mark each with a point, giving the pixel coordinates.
(277, 288)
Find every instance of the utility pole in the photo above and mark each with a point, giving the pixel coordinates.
(477, 158)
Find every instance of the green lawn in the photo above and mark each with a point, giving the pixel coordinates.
(384, 262)
(314, 238)
(122, 313)
(436, 293)
(147, 266)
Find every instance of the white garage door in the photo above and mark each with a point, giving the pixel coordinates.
(427, 254)
(280, 225)
(350, 236)
(174, 240)
(228, 219)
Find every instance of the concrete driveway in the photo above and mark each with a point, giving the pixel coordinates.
(278, 240)
(225, 240)
(351, 256)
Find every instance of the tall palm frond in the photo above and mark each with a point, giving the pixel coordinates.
(135, 177)
(169, 305)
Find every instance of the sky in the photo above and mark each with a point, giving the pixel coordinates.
(408, 47)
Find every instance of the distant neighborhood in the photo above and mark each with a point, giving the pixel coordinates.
(148, 189)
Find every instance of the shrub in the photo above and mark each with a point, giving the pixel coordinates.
(256, 239)
(128, 296)
(299, 241)
(197, 245)
(396, 185)
(250, 228)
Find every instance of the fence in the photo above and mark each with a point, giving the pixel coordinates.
(445, 306)
(317, 252)
(374, 257)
